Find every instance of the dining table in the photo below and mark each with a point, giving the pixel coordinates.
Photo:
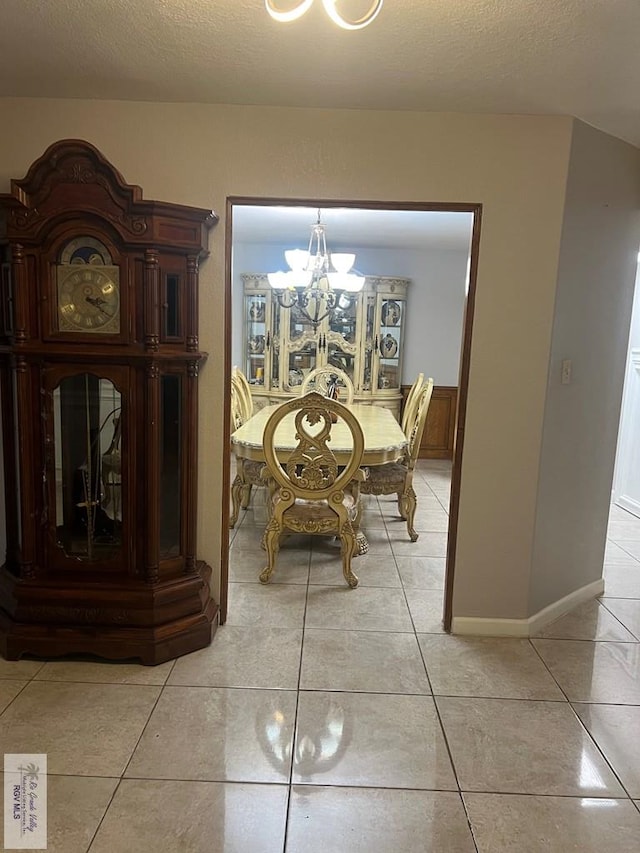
(384, 440)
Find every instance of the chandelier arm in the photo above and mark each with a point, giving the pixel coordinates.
(290, 15)
(286, 303)
(315, 321)
(316, 295)
(359, 23)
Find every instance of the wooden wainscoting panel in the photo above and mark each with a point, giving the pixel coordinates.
(439, 431)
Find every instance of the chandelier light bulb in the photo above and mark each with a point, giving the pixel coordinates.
(347, 281)
(284, 17)
(278, 280)
(342, 261)
(330, 6)
(297, 259)
(358, 24)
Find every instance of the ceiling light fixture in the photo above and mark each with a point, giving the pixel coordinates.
(284, 16)
(316, 282)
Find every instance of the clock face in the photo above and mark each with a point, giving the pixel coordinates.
(88, 299)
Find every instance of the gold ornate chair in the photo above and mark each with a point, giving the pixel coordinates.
(244, 389)
(320, 380)
(409, 402)
(237, 404)
(248, 472)
(309, 493)
(397, 477)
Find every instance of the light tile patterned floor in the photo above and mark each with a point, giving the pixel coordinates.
(327, 720)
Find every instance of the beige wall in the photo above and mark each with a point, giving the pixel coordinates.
(598, 259)
(515, 166)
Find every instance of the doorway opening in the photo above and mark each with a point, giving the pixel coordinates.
(626, 478)
(621, 569)
(434, 247)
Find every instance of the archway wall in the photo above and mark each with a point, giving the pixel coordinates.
(594, 297)
(515, 166)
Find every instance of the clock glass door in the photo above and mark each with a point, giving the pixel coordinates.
(170, 465)
(87, 432)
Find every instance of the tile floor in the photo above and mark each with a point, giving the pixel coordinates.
(327, 720)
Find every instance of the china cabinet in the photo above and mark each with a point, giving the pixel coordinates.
(99, 363)
(363, 336)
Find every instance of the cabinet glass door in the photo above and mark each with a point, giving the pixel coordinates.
(258, 338)
(370, 342)
(302, 349)
(389, 343)
(273, 344)
(338, 343)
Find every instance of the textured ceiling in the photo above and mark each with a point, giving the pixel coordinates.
(573, 57)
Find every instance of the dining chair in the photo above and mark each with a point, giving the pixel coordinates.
(309, 492)
(408, 403)
(237, 404)
(248, 472)
(245, 392)
(321, 380)
(397, 477)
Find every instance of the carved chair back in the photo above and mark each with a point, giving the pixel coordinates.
(322, 380)
(311, 472)
(411, 397)
(416, 423)
(244, 390)
(237, 405)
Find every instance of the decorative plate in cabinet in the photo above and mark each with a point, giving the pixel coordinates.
(388, 346)
(256, 312)
(256, 344)
(391, 313)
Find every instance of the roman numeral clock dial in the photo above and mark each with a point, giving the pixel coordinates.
(88, 290)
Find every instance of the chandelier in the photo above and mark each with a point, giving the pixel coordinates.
(316, 282)
(330, 8)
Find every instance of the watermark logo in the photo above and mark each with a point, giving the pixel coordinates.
(25, 801)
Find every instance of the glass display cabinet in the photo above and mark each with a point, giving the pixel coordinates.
(257, 322)
(99, 363)
(363, 336)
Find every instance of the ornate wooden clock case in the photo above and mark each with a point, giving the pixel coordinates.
(99, 367)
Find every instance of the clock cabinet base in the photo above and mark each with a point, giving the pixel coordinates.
(153, 623)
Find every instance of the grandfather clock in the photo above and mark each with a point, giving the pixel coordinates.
(99, 365)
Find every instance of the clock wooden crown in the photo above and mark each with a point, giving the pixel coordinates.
(99, 362)
(71, 195)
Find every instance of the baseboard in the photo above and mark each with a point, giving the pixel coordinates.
(474, 626)
(630, 504)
